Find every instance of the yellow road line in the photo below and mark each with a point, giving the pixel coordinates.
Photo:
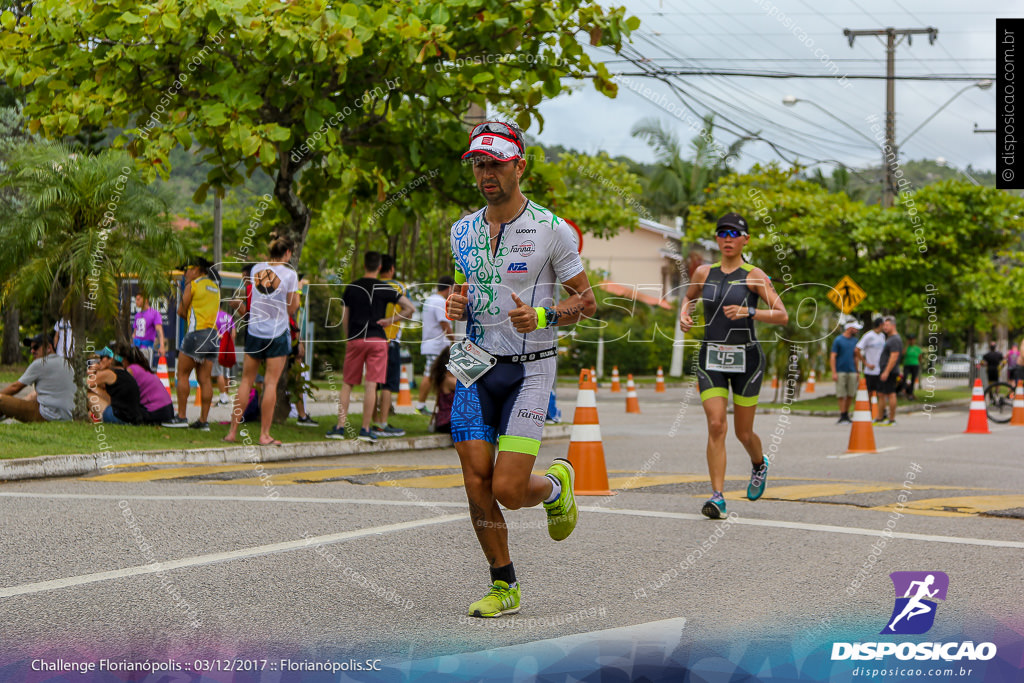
(803, 491)
(316, 476)
(960, 506)
(178, 472)
(437, 481)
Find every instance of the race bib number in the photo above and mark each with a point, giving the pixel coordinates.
(469, 362)
(726, 358)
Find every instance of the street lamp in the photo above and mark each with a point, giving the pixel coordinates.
(984, 84)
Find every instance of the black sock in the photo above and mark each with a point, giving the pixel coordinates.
(506, 574)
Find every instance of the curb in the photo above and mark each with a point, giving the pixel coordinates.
(835, 413)
(45, 466)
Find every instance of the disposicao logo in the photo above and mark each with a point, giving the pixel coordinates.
(912, 614)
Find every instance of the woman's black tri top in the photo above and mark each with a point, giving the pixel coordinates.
(728, 289)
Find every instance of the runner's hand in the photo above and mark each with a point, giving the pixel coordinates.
(735, 312)
(455, 305)
(524, 318)
(685, 322)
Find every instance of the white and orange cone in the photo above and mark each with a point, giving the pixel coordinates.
(593, 378)
(1017, 419)
(862, 435)
(586, 450)
(659, 382)
(632, 402)
(810, 383)
(404, 395)
(977, 420)
(775, 381)
(616, 387)
(161, 372)
(874, 406)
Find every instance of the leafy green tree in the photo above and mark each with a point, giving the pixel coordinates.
(82, 223)
(322, 98)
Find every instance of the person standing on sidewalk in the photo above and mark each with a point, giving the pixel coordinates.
(870, 347)
(437, 336)
(843, 360)
(911, 366)
(199, 304)
(275, 297)
(510, 258)
(889, 362)
(730, 355)
(148, 326)
(363, 319)
(393, 375)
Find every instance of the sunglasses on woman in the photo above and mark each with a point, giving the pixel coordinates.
(729, 232)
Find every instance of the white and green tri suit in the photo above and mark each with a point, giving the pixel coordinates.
(535, 253)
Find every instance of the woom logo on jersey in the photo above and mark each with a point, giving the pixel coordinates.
(526, 231)
(913, 614)
(517, 267)
(525, 249)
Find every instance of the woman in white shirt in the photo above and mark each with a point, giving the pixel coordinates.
(275, 297)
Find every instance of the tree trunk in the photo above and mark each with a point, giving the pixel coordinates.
(11, 354)
(299, 214)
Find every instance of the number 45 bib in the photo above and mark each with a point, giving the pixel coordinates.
(726, 358)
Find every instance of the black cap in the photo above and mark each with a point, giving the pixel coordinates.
(733, 220)
(33, 341)
(877, 321)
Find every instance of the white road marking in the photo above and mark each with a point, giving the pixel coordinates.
(244, 499)
(199, 560)
(780, 524)
(844, 456)
(606, 646)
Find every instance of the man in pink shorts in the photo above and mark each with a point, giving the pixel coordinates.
(363, 321)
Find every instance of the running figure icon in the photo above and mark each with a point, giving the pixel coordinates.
(915, 606)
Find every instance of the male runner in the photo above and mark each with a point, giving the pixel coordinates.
(509, 258)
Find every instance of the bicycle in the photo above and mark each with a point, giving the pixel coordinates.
(999, 401)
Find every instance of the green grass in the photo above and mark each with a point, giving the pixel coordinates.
(60, 438)
(10, 373)
(831, 403)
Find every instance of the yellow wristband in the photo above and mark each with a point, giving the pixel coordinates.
(542, 317)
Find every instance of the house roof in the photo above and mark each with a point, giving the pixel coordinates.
(633, 293)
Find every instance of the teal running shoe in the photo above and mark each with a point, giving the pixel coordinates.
(562, 514)
(714, 508)
(757, 480)
(500, 599)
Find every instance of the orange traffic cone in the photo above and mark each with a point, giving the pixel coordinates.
(1017, 419)
(862, 435)
(161, 372)
(199, 396)
(616, 387)
(810, 384)
(586, 451)
(404, 396)
(632, 403)
(659, 383)
(775, 381)
(874, 406)
(977, 420)
(593, 378)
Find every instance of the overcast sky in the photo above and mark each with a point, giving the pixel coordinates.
(745, 35)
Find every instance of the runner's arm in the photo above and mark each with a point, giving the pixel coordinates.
(579, 304)
(776, 312)
(689, 301)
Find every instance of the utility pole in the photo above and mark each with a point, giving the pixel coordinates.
(890, 156)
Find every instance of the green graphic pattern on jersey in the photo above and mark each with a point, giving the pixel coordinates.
(536, 252)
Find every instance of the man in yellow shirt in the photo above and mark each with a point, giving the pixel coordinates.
(199, 304)
(381, 428)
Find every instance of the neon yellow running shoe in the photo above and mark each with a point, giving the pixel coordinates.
(562, 513)
(499, 600)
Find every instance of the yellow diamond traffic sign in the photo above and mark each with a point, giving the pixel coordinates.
(846, 294)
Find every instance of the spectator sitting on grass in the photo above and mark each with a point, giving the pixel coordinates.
(54, 396)
(156, 400)
(113, 392)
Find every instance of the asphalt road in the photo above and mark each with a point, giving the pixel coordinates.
(371, 559)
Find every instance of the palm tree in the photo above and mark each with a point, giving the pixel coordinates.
(676, 183)
(85, 222)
